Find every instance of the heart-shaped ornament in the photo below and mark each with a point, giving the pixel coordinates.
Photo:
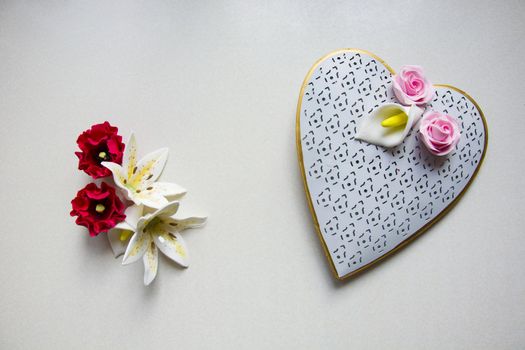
(368, 201)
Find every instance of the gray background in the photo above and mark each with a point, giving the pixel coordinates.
(217, 83)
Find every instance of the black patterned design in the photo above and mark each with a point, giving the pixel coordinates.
(369, 199)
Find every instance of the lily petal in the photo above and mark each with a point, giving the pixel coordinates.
(129, 160)
(172, 245)
(148, 169)
(177, 225)
(133, 214)
(167, 189)
(137, 247)
(152, 200)
(118, 176)
(167, 210)
(151, 261)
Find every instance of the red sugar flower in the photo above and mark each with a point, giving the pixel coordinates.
(99, 144)
(98, 209)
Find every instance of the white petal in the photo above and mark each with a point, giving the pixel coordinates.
(137, 247)
(118, 176)
(373, 132)
(150, 259)
(177, 225)
(173, 246)
(167, 210)
(148, 169)
(123, 225)
(129, 159)
(167, 189)
(118, 246)
(133, 214)
(152, 200)
(153, 196)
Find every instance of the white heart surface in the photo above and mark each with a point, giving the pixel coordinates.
(367, 200)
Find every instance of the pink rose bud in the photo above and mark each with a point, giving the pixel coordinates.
(412, 87)
(439, 132)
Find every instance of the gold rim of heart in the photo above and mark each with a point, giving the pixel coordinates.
(307, 191)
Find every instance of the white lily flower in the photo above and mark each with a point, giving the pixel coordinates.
(137, 179)
(157, 230)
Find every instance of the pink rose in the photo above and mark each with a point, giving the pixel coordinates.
(439, 132)
(412, 87)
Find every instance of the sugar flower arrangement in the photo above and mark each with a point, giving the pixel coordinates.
(127, 202)
(390, 123)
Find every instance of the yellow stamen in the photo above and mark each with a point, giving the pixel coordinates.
(100, 208)
(124, 235)
(395, 120)
(102, 155)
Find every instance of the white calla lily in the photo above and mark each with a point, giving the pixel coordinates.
(119, 235)
(374, 130)
(137, 178)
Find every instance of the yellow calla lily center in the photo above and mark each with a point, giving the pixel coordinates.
(395, 120)
(125, 234)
